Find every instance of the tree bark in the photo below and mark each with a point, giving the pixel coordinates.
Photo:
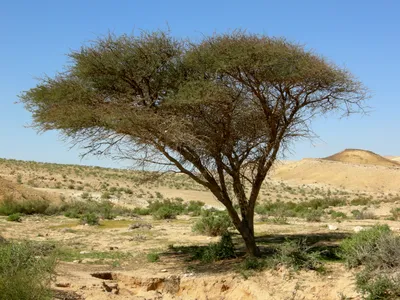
(247, 233)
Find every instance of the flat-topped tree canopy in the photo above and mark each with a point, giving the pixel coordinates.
(218, 110)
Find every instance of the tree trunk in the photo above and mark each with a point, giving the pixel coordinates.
(247, 233)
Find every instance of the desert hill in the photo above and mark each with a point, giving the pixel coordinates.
(20, 193)
(397, 159)
(358, 156)
(350, 169)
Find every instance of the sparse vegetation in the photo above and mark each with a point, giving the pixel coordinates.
(378, 251)
(213, 223)
(25, 272)
(10, 206)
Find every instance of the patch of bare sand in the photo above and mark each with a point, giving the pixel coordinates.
(271, 284)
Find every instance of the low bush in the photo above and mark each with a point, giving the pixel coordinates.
(165, 212)
(224, 249)
(25, 272)
(170, 208)
(378, 286)
(297, 255)
(360, 201)
(153, 257)
(213, 223)
(14, 217)
(363, 215)
(312, 209)
(10, 206)
(90, 219)
(395, 213)
(378, 251)
(362, 247)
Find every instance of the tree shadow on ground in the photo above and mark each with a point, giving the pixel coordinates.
(188, 256)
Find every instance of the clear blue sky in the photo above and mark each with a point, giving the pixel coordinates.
(362, 35)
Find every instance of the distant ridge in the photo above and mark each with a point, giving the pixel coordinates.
(359, 156)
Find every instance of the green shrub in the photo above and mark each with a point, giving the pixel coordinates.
(14, 217)
(106, 210)
(361, 247)
(141, 211)
(363, 215)
(378, 250)
(28, 207)
(297, 255)
(337, 214)
(25, 272)
(153, 257)
(164, 212)
(395, 213)
(305, 209)
(378, 286)
(313, 216)
(360, 201)
(213, 223)
(90, 219)
(253, 263)
(195, 208)
(224, 249)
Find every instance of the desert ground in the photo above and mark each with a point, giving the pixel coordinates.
(135, 256)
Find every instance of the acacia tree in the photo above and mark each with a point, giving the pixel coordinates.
(219, 110)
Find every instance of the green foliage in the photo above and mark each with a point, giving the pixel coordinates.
(311, 210)
(14, 217)
(363, 215)
(170, 208)
(90, 219)
(165, 212)
(153, 257)
(194, 208)
(105, 209)
(10, 206)
(224, 249)
(25, 272)
(378, 286)
(197, 104)
(360, 201)
(297, 255)
(337, 214)
(395, 213)
(213, 223)
(253, 263)
(378, 250)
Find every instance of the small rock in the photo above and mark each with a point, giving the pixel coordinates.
(332, 227)
(139, 225)
(164, 270)
(110, 286)
(63, 284)
(84, 252)
(113, 248)
(358, 228)
(78, 261)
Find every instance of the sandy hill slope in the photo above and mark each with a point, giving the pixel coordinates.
(357, 170)
(358, 156)
(20, 193)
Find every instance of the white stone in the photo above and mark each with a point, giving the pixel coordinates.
(358, 228)
(332, 227)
